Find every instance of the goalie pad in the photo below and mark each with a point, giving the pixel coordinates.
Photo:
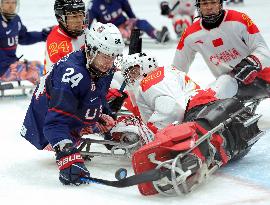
(171, 141)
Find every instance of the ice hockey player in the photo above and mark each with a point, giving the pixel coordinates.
(160, 95)
(12, 33)
(68, 35)
(71, 99)
(165, 95)
(119, 13)
(181, 12)
(229, 42)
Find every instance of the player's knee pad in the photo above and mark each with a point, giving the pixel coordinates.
(180, 23)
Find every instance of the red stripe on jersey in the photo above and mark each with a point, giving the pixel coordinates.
(152, 78)
(217, 42)
(70, 115)
(196, 26)
(58, 44)
(242, 18)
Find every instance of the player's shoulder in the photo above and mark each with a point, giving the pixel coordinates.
(153, 78)
(72, 68)
(189, 31)
(57, 35)
(75, 60)
(58, 44)
(242, 18)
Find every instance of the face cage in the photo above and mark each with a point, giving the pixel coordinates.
(127, 78)
(92, 69)
(63, 20)
(211, 18)
(9, 16)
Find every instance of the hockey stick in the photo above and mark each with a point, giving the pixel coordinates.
(175, 5)
(135, 46)
(144, 177)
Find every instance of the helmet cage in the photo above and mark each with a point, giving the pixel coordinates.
(145, 62)
(62, 8)
(106, 39)
(209, 18)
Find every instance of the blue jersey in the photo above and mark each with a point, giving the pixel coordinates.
(66, 100)
(114, 12)
(13, 33)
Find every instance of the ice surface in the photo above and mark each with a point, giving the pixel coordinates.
(29, 176)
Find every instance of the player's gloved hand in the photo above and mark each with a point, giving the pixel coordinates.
(164, 7)
(116, 99)
(46, 31)
(71, 165)
(105, 123)
(247, 70)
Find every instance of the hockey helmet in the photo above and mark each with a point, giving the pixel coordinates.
(62, 8)
(105, 39)
(145, 62)
(7, 10)
(209, 18)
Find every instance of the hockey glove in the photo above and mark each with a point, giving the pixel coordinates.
(71, 165)
(105, 123)
(46, 31)
(247, 70)
(117, 99)
(165, 9)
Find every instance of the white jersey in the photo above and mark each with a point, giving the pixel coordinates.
(162, 96)
(185, 7)
(224, 47)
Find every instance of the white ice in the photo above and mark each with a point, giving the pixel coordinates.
(29, 176)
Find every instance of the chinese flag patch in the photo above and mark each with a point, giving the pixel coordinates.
(217, 42)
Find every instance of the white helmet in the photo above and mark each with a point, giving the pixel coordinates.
(146, 62)
(103, 38)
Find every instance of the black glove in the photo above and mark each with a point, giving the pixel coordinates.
(164, 7)
(46, 31)
(116, 102)
(71, 165)
(247, 70)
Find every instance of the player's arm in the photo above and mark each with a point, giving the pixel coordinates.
(63, 101)
(167, 110)
(259, 59)
(184, 54)
(27, 38)
(256, 43)
(127, 8)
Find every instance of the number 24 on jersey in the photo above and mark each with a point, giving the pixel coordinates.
(69, 76)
